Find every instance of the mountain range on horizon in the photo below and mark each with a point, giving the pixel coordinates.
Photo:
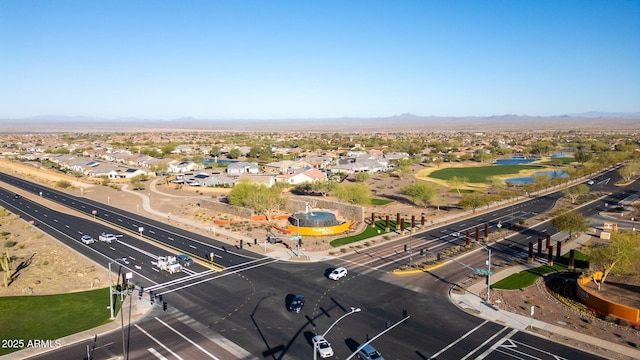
(585, 115)
(602, 121)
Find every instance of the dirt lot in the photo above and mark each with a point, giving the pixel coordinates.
(550, 310)
(46, 266)
(43, 265)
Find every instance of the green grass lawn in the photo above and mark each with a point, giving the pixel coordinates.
(526, 278)
(565, 161)
(380, 202)
(369, 232)
(481, 173)
(52, 317)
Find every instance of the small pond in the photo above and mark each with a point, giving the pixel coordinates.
(516, 160)
(554, 174)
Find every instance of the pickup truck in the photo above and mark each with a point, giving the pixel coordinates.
(108, 238)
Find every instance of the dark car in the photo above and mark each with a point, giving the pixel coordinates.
(17, 196)
(184, 260)
(296, 304)
(368, 352)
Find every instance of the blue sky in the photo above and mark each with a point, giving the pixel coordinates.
(324, 58)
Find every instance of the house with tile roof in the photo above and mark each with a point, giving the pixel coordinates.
(301, 177)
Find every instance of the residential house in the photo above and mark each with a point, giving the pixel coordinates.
(286, 166)
(242, 167)
(184, 166)
(209, 180)
(301, 177)
(267, 179)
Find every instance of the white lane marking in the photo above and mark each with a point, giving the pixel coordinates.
(189, 340)
(202, 274)
(481, 356)
(217, 277)
(434, 356)
(157, 342)
(513, 346)
(156, 354)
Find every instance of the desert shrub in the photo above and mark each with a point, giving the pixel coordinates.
(9, 243)
(64, 184)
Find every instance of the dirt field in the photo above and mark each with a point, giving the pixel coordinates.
(43, 265)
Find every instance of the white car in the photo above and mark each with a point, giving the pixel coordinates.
(322, 346)
(590, 182)
(87, 239)
(338, 273)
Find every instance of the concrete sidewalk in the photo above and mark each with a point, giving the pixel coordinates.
(471, 300)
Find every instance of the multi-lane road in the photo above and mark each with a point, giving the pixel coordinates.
(238, 308)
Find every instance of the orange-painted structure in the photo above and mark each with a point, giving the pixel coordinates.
(319, 231)
(604, 306)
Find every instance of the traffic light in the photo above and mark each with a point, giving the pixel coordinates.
(151, 296)
(164, 306)
(160, 298)
(140, 293)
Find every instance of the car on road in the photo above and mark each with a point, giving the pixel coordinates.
(368, 352)
(184, 259)
(338, 273)
(322, 346)
(296, 304)
(87, 239)
(108, 238)
(17, 196)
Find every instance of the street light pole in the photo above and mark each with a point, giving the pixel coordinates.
(111, 291)
(123, 291)
(353, 311)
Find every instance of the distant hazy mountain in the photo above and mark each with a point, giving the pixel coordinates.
(608, 115)
(401, 123)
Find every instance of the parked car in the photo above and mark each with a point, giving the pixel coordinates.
(590, 182)
(368, 352)
(87, 239)
(322, 346)
(338, 273)
(184, 260)
(296, 304)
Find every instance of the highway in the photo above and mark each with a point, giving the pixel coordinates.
(243, 298)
